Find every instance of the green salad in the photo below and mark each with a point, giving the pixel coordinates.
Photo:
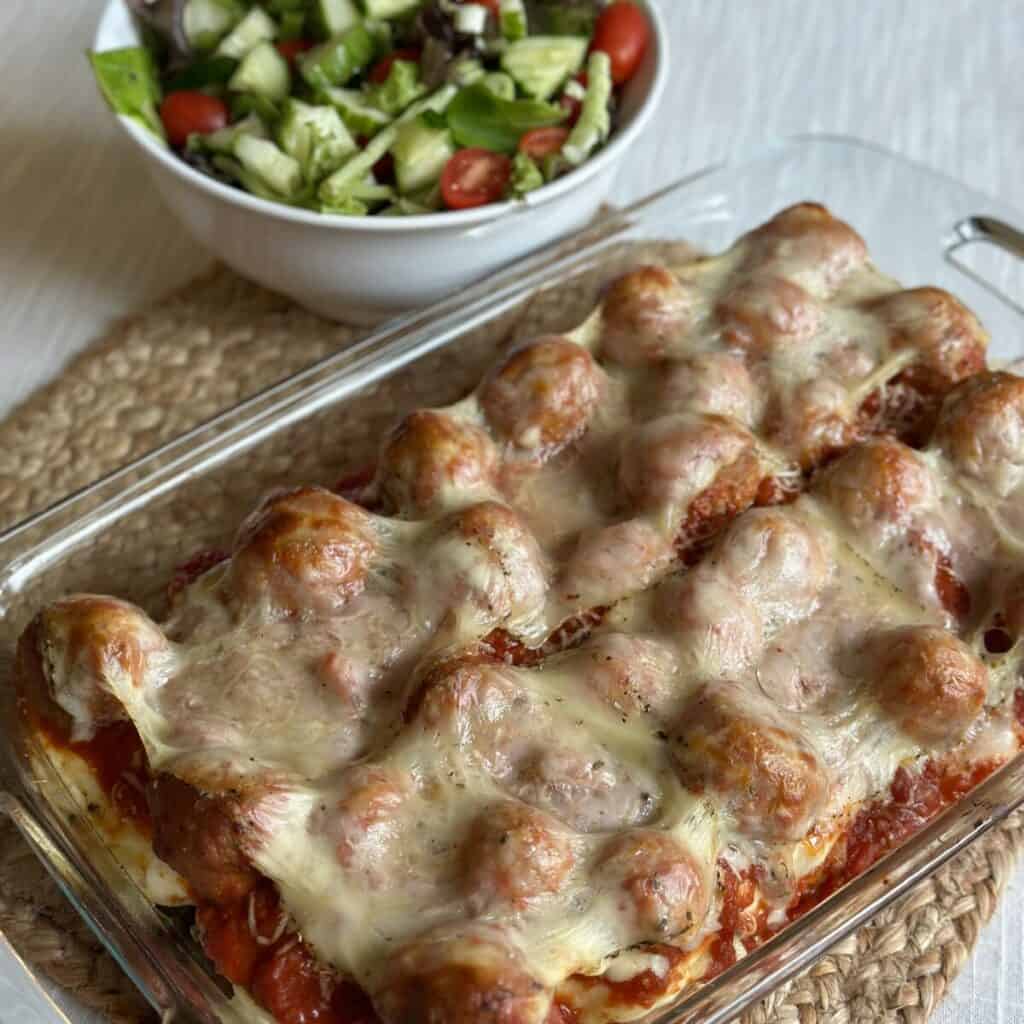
(389, 107)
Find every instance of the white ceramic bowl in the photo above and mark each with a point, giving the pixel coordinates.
(365, 269)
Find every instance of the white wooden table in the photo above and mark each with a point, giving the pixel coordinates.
(83, 239)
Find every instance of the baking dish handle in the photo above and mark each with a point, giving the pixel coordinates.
(88, 901)
(991, 231)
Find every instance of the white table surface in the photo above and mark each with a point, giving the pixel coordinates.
(82, 238)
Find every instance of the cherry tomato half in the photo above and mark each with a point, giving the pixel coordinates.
(474, 177)
(186, 112)
(622, 32)
(380, 71)
(291, 48)
(541, 142)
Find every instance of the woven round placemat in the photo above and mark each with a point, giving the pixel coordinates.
(222, 339)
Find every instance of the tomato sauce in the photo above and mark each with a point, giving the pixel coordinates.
(741, 917)
(733, 491)
(561, 1013)
(118, 763)
(774, 491)
(914, 799)
(251, 945)
(509, 649)
(643, 989)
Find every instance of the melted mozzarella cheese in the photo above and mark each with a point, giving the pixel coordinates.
(380, 747)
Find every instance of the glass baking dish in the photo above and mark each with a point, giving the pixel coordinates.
(125, 534)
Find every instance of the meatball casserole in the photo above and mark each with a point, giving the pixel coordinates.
(606, 672)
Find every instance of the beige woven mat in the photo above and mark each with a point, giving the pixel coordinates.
(222, 339)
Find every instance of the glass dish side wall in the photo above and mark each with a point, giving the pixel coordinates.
(126, 535)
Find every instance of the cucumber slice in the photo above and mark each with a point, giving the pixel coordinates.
(245, 103)
(421, 152)
(403, 207)
(347, 206)
(223, 141)
(513, 20)
(402, 87)
(370, 191)
(206, 22)
(540, 64)
(500, 84)
(595, 123)
(470, 19)
(360, 117)
(278, 171)
(342, 181)
(255, 28)
(333, 17)
(389, 8)
(316, 136)
(466, 72)
(526, 175)
(263, 72)
(338, 60)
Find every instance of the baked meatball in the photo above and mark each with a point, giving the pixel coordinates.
(201, 836)
(880, 483)
(733, 741)
(710, 382)
(614, 561)
(303, 549)
(710, 620)
(671, 460)
(632, 675)
(365, 822)
(814, 422)
(472, 975)
(657, 883)
(931, 683)
(948, 341)
(542, 396)
(981, 430)
(429, 456)
(647, 315)
(764, 314)
(776, 562)
(514, 855)
(490, 562)
(807, 245)
(93, 653)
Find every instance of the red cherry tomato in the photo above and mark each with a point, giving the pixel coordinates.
(186, 112)
(543, 141)
(622, 32)
(494, 6)
(380, 71)
(474, 177)
(291, 48)
(573, 105)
